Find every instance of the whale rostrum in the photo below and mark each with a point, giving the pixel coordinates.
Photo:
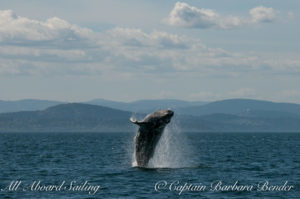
(148, 135)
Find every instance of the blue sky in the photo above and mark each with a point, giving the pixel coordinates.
(77, 50)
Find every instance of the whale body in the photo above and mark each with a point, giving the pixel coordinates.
(148, 135)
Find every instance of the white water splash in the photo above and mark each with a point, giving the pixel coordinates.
(172, 150)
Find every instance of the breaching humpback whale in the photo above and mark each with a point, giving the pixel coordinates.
(150, 131)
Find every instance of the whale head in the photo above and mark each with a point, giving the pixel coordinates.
(157, 119)
(164, 115)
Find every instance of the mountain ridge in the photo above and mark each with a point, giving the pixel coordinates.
(79, 117)
(66, 117)
(237, 106)
(145, 106)
(26, 105)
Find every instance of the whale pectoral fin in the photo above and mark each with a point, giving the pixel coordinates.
(133, 120)
(136, 122)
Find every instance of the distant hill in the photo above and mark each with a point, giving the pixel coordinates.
(146, 106)
(67, 117)
(240, 107)
(140, 106)
(236, 115)
(244, 107)
(26, 105)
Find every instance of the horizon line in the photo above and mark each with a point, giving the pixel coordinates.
(144, 99)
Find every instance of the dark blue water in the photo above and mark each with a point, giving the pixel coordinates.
(105, 159)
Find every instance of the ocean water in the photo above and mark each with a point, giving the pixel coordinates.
(185, 165)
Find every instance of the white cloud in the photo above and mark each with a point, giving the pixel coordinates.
(56, 55)
(33, 47)
(262, 14)
(20, 30)
(184, 15)
(161, 51)
(129, 37)
(188, 16)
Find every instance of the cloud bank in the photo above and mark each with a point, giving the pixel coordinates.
(184, 15)
(20, 30)
(57, 47)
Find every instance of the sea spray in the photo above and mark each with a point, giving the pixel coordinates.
(131, 150)
(172, 150)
